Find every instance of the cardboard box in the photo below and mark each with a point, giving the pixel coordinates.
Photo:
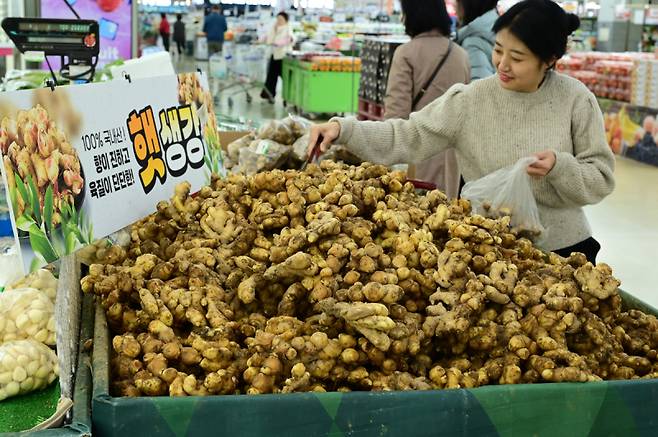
(227, 137)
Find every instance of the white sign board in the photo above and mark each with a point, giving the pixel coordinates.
(81, 162)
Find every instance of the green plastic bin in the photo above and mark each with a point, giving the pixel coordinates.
(328, 91)
(611, 408)
(319, 92)
(288, 74)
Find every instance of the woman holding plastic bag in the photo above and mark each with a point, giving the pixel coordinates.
(525, 110)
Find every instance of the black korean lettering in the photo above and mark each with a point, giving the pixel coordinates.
(122, 180)
(108, 184)
(101, 188)
(195, 152)
(176, 158)
(97, 164)
(113, 159)
(93, 189)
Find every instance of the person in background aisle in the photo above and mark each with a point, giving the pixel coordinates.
(422, 70)
(149, 43)
(165, 31)
(281, 40)
(179, 34)
(214, 26)
(526, 109)
(476, 18)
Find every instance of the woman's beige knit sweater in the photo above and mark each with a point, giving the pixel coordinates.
(491, 128)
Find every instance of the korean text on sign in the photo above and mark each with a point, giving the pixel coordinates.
(146, 145)
(177, 146)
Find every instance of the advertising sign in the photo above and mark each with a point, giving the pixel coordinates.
(114, 20)
(81, 162)
(631, 131)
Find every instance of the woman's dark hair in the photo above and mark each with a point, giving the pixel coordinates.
(163, 15)
(284, 15)
(542, 25)
(424, 15)
(475, 8)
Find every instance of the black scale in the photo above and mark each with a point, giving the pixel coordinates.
(76, 42)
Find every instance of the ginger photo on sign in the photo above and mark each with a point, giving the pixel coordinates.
(192, 92)
(45, 180)
(58, 104)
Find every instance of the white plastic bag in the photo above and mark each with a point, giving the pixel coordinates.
(27, 313)
(508, 191)
(26, 366)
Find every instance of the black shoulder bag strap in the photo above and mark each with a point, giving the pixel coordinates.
(423, 90)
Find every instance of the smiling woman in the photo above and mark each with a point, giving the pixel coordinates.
(530, 38)
(525, 110)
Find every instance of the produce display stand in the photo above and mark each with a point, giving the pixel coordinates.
(623, 408)
(319, 92)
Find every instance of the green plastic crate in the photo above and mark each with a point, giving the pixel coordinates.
(611, 408)
(319, 92)
(329, 92)
(288, 73)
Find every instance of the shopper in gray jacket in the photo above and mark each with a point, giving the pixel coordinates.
(476, 18)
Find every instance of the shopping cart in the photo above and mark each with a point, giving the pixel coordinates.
(241, 68)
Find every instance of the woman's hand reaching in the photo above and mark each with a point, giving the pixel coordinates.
(544, 164)
(327, 132)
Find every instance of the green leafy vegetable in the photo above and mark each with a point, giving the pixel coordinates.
(48, 209)
(34, 200)
(41, 245)
(23, 192)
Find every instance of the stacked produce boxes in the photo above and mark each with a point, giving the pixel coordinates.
(376, 57)
(607, 75)
(644, 89)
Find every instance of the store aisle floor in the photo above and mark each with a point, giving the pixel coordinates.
(626, 224)
(232, 97)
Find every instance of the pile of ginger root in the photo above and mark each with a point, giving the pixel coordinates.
(344, 278)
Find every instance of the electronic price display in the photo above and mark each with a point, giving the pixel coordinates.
(73, 38)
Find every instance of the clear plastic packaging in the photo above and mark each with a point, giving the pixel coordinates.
(263, 155)
(42, 279)
(298, 125)
(278, 131)
(300, 147)
(233, 149)
(508, 192)
(27, 313)
(26, 366)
